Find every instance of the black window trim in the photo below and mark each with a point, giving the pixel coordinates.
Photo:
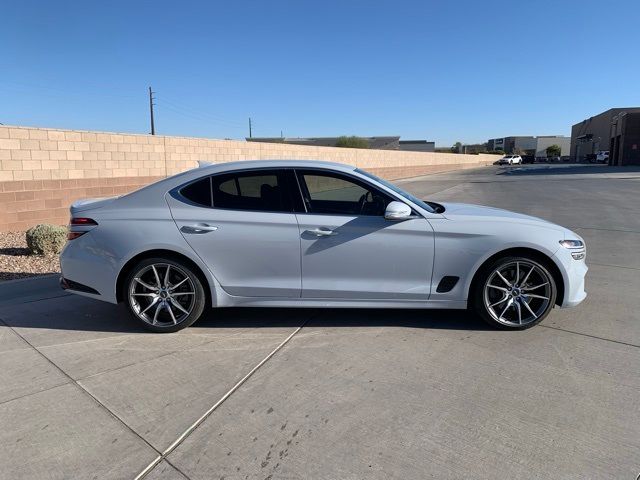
(291, 190)
(177, 191)
(357, 180)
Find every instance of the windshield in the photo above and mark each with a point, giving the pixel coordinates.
(398, 190)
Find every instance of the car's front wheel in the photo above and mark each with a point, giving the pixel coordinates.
(164, 295)
(514, 293)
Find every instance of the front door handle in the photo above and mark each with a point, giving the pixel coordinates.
(198, 228)
(321, 232)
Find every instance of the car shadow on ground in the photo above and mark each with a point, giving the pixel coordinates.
(94, 316)
(340, 317)
(6, 275)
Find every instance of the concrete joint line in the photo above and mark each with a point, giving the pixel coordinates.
(204, 416)
(74, 382)
(592, 336)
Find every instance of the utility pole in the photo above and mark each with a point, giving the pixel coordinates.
(153, 128)
(249, 127)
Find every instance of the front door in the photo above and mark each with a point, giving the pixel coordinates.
(243, 227)
(350, 251)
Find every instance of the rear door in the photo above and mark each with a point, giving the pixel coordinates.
(242, 225)
(349, 250)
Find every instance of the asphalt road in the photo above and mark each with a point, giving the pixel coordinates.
(84, 393)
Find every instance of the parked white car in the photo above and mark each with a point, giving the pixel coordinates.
(287, 233)
(510, 160)
(602, 157)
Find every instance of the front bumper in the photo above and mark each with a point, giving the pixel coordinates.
(573, 274)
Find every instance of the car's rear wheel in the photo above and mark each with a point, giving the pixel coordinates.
(164, 295)
(514, 293)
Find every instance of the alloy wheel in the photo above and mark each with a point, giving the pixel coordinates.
(162, 295)
(517, 293)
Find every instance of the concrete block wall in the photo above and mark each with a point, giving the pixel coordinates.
(44, 170)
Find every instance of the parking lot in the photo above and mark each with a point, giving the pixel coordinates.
(344, 394)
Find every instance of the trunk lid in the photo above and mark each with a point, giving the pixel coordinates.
(90, 204)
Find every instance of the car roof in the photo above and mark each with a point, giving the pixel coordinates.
(248, 164)
(187, 176)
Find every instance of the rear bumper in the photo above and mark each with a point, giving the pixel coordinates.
(87, 270)
(67, 284)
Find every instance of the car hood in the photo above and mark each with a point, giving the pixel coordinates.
(464, 211)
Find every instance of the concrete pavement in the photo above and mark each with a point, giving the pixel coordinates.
(84, 393)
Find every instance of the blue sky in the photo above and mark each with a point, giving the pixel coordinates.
(440, 70)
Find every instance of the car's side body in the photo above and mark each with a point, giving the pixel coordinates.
(249, 258)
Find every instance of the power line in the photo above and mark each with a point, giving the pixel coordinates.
(202, 113)
(196, 117)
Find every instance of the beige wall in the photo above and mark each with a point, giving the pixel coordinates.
(43, 170)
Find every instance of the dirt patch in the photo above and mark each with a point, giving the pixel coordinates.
(17, 262)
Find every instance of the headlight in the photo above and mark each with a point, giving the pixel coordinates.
(572, 243)
(577, 246)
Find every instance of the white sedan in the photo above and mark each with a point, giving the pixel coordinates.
(286, 233)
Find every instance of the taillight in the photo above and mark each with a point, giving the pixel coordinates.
(79, 222)
(83, 221)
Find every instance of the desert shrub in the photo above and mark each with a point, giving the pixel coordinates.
(45, 239)
(352, 142)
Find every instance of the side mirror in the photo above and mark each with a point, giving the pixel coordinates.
(397, 211)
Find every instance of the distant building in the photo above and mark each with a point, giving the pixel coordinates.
(473, 148)
(530, 145)
(377, 143)
(616, 130)
(417, 146)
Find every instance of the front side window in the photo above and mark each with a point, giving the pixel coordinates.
(398, 190)
(331, 193)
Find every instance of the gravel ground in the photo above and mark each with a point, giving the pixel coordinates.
(17, 262)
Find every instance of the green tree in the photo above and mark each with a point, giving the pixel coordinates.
(457, 147)
(554, 151)
(352, 142)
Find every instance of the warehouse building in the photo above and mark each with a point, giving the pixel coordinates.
(376, 143)
(616, 130)
(530, 145)
(417, 146)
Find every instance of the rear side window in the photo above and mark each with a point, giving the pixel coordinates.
(261, 190)
(198, 192)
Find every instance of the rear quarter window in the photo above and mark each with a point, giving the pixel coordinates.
(198, 192)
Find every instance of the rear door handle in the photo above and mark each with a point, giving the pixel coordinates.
(321, 232)
(198, 228)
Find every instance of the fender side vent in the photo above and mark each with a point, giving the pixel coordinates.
(446, 284)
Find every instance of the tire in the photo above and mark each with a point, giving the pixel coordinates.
(510, 305)
(164, 295)
(510, 162)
